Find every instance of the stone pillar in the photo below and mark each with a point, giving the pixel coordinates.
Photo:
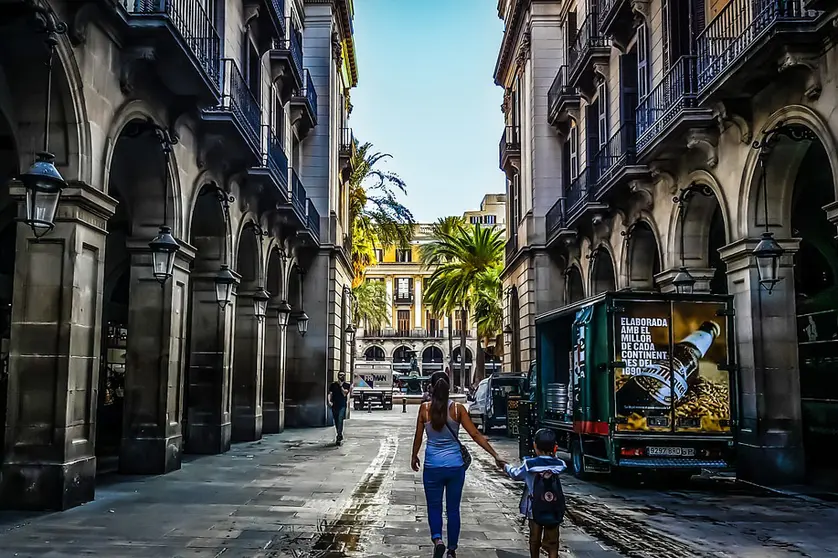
(770, 420)
(152, 441)
(273, 407)
(702, 275)
(208, 394)
(49, 461)
(417, 305)
(248, 369)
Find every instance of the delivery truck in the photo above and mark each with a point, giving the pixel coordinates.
(372, 385)
(632, 381)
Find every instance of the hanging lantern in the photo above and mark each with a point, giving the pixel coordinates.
(163, 249)
(507, 334)
(224, 282)
(43, 185)
(683, 281)
(302, 323)
(260, 303)
(283, 313)
(767, 254)
(351, 329)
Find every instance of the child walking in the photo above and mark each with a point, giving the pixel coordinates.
(543, 500)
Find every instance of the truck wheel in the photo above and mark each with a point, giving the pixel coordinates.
(577, 462)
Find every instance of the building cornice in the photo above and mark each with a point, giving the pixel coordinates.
(510, 39)
(345, 11)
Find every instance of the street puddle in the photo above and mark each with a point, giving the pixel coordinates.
(346, 535)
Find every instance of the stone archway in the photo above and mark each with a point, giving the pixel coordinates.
(644, 261)
(432, 354)
(248, 356)
(603, 278)
(705, 224)
(207, 399)
(273, 391)
(374, 353)
(574, 285)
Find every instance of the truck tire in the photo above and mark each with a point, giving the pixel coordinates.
(577, 460)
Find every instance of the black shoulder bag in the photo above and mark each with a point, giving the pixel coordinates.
(463, 450)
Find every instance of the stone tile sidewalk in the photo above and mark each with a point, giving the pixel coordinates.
(289, 495)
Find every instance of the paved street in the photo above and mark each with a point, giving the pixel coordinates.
(294, 495)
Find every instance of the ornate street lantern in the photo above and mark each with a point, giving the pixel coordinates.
(767, 254)
(507, 334)
(224, 282)
(43, 185)
(683, 281)
(163, 250)
(283, 313)
(351, 329)
(260, 304)
(302, 323)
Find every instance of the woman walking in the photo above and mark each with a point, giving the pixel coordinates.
(445, 470)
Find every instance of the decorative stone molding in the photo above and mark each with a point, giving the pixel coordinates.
(523, 51)
(665, 179)
(337, 47)
(250, 12)
(644, 192)
(726, 119)
(84, 14)
(706, 142)
(642, 11)
(133, 61)
(793, 59)
(600, 72)
(702, 275)
(506, 105)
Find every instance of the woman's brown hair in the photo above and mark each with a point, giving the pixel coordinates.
(439, 402)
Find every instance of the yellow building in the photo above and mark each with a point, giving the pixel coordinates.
(414, 329)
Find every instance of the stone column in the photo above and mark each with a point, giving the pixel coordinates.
(770, 423)
(208, 395)
(273, 408)
(417, 304)
(248, 369)
(152, 441)
(49, 461)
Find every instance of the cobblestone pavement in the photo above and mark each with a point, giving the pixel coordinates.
(296, 495)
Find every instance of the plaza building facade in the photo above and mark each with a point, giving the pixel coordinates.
(414, 329)
(646, 138)
(223, 122)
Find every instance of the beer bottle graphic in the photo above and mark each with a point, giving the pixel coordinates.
(653, 386)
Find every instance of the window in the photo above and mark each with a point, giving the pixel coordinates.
(432, 324)
(490, 219)
(642, 62)
(665, 51)
(404, 256)
(573, 142)
(403, 321)
(254, 65)
(458, 321)
(602, 114)
(516, 183)
(379, 255)
(403, 289)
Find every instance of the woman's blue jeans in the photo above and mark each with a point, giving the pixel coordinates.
(449, 480)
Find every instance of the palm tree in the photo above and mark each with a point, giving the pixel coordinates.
(488, 313)
(371, 307)
(465, 257)
(378, 219)
(429, 256)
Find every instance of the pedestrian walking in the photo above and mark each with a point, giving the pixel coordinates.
(446, 460)
(338, 396)
(542, 503)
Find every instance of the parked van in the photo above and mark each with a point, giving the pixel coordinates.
(489, 407)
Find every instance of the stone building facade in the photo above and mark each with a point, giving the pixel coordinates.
(103, 368)
(413, 328)
(648, 136)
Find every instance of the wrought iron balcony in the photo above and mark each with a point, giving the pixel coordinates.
(298, 197)
(560, 98)
(616, 161)
(239, 113)
(287, 62)
(589, 47)
(555, 219)
(304, 107)
(346, 151)
(738, 50)
(511, 248)
(670, 109)
(184, 35)
(277, 161)
(278, 16)
(403, 298)
(510, 148)
(313, 219)
(616, 19)
(580, 197)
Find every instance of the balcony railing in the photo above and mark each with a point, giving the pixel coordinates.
(511, 247)
(293, 43)
(555, 216)
(237, 99)
(605, 9)
(737, 27)
(406, 333)
(560, 92)
(587, 37)
(275, 158)
(347, 141)
(310, 93)
(510, 144)
(577, 192)
(313, 219)
(193, 23)
(677, 91)
(618, 152)
(298, 195)
(403, 298)
(279, 14)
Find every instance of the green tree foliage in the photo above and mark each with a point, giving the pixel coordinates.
(371, 305)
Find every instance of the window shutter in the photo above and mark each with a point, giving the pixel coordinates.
(602, 114)
(573, 153)
(699, 17)
(571, 28)
(628, 86)
(592, 132)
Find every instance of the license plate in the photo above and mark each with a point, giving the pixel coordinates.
(670, 452)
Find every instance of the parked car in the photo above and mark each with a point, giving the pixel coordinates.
(489, 408)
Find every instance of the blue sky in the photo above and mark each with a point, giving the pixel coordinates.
(426, 95)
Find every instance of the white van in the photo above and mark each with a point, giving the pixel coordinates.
(477, 409)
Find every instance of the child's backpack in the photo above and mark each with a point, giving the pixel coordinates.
(548, 505)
